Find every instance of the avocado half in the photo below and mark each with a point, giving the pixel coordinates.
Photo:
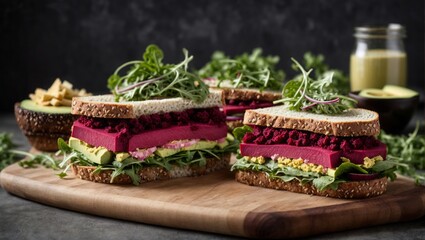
(44, 125)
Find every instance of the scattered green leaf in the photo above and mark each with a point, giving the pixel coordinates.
(408, 151)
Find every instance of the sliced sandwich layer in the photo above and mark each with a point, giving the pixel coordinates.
(124, 141)
(320, 152)
(316, 155)
(354, 122)
(123, 135)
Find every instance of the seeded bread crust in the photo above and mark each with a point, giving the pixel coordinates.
(104, 106)
(155, 173)
(346, 190)
(354, 122)
(246, 94)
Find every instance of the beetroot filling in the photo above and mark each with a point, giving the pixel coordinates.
(269, 135)
(127, 127)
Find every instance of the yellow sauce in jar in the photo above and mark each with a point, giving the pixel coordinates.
(376, 68)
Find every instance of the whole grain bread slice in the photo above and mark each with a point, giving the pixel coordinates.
(354, 122)
(248, 94)
(152, 173)
(346, 190)
(105, 106)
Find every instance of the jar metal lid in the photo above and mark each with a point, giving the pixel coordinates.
(393, 30)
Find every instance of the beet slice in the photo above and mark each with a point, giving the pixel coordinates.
(232, 109)
(362, 176)
(117, 142)
(100, 137)
(162, 136)
(316, 155)
(357, 156)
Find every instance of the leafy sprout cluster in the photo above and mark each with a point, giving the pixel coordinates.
(150, 78)
(317, 96)
(247, 70)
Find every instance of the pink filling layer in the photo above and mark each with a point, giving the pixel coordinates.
(232, 109)
(100, 137)
(120, 143)
(316, 155)
(163, 136)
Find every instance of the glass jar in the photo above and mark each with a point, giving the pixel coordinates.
(378, 58)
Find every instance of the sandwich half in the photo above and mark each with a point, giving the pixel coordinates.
(248, 81)
(328, 155)
(161, 122)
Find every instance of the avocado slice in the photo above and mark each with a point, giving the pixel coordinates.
(165, 152)
(202, 144)
(99, 155)
(223, 144)
(400, 92)
(388, 92)
(31, 105)
(43, 122)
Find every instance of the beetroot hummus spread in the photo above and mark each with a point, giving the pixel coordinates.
(211, 116)
(268, 135)
(121, 135)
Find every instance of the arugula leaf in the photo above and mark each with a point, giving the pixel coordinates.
(407, 152)
(348, 167)
(6, 144)
(8, 155)
(246, 70)
(321, 183)
(317, 96)
(150, 78)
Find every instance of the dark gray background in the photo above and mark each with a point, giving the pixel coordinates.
(84, 41)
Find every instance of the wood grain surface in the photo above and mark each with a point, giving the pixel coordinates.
(216, 203)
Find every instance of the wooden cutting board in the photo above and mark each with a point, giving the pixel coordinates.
(216, 203)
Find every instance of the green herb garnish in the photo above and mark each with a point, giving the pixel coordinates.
(246, 70)
(408, 151)
(8, 155)
(321, 70)
(317, 96)
(150, 78)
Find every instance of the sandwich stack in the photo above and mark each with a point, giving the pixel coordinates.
(161, 122)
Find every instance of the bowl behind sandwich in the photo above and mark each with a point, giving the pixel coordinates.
(394, 113)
